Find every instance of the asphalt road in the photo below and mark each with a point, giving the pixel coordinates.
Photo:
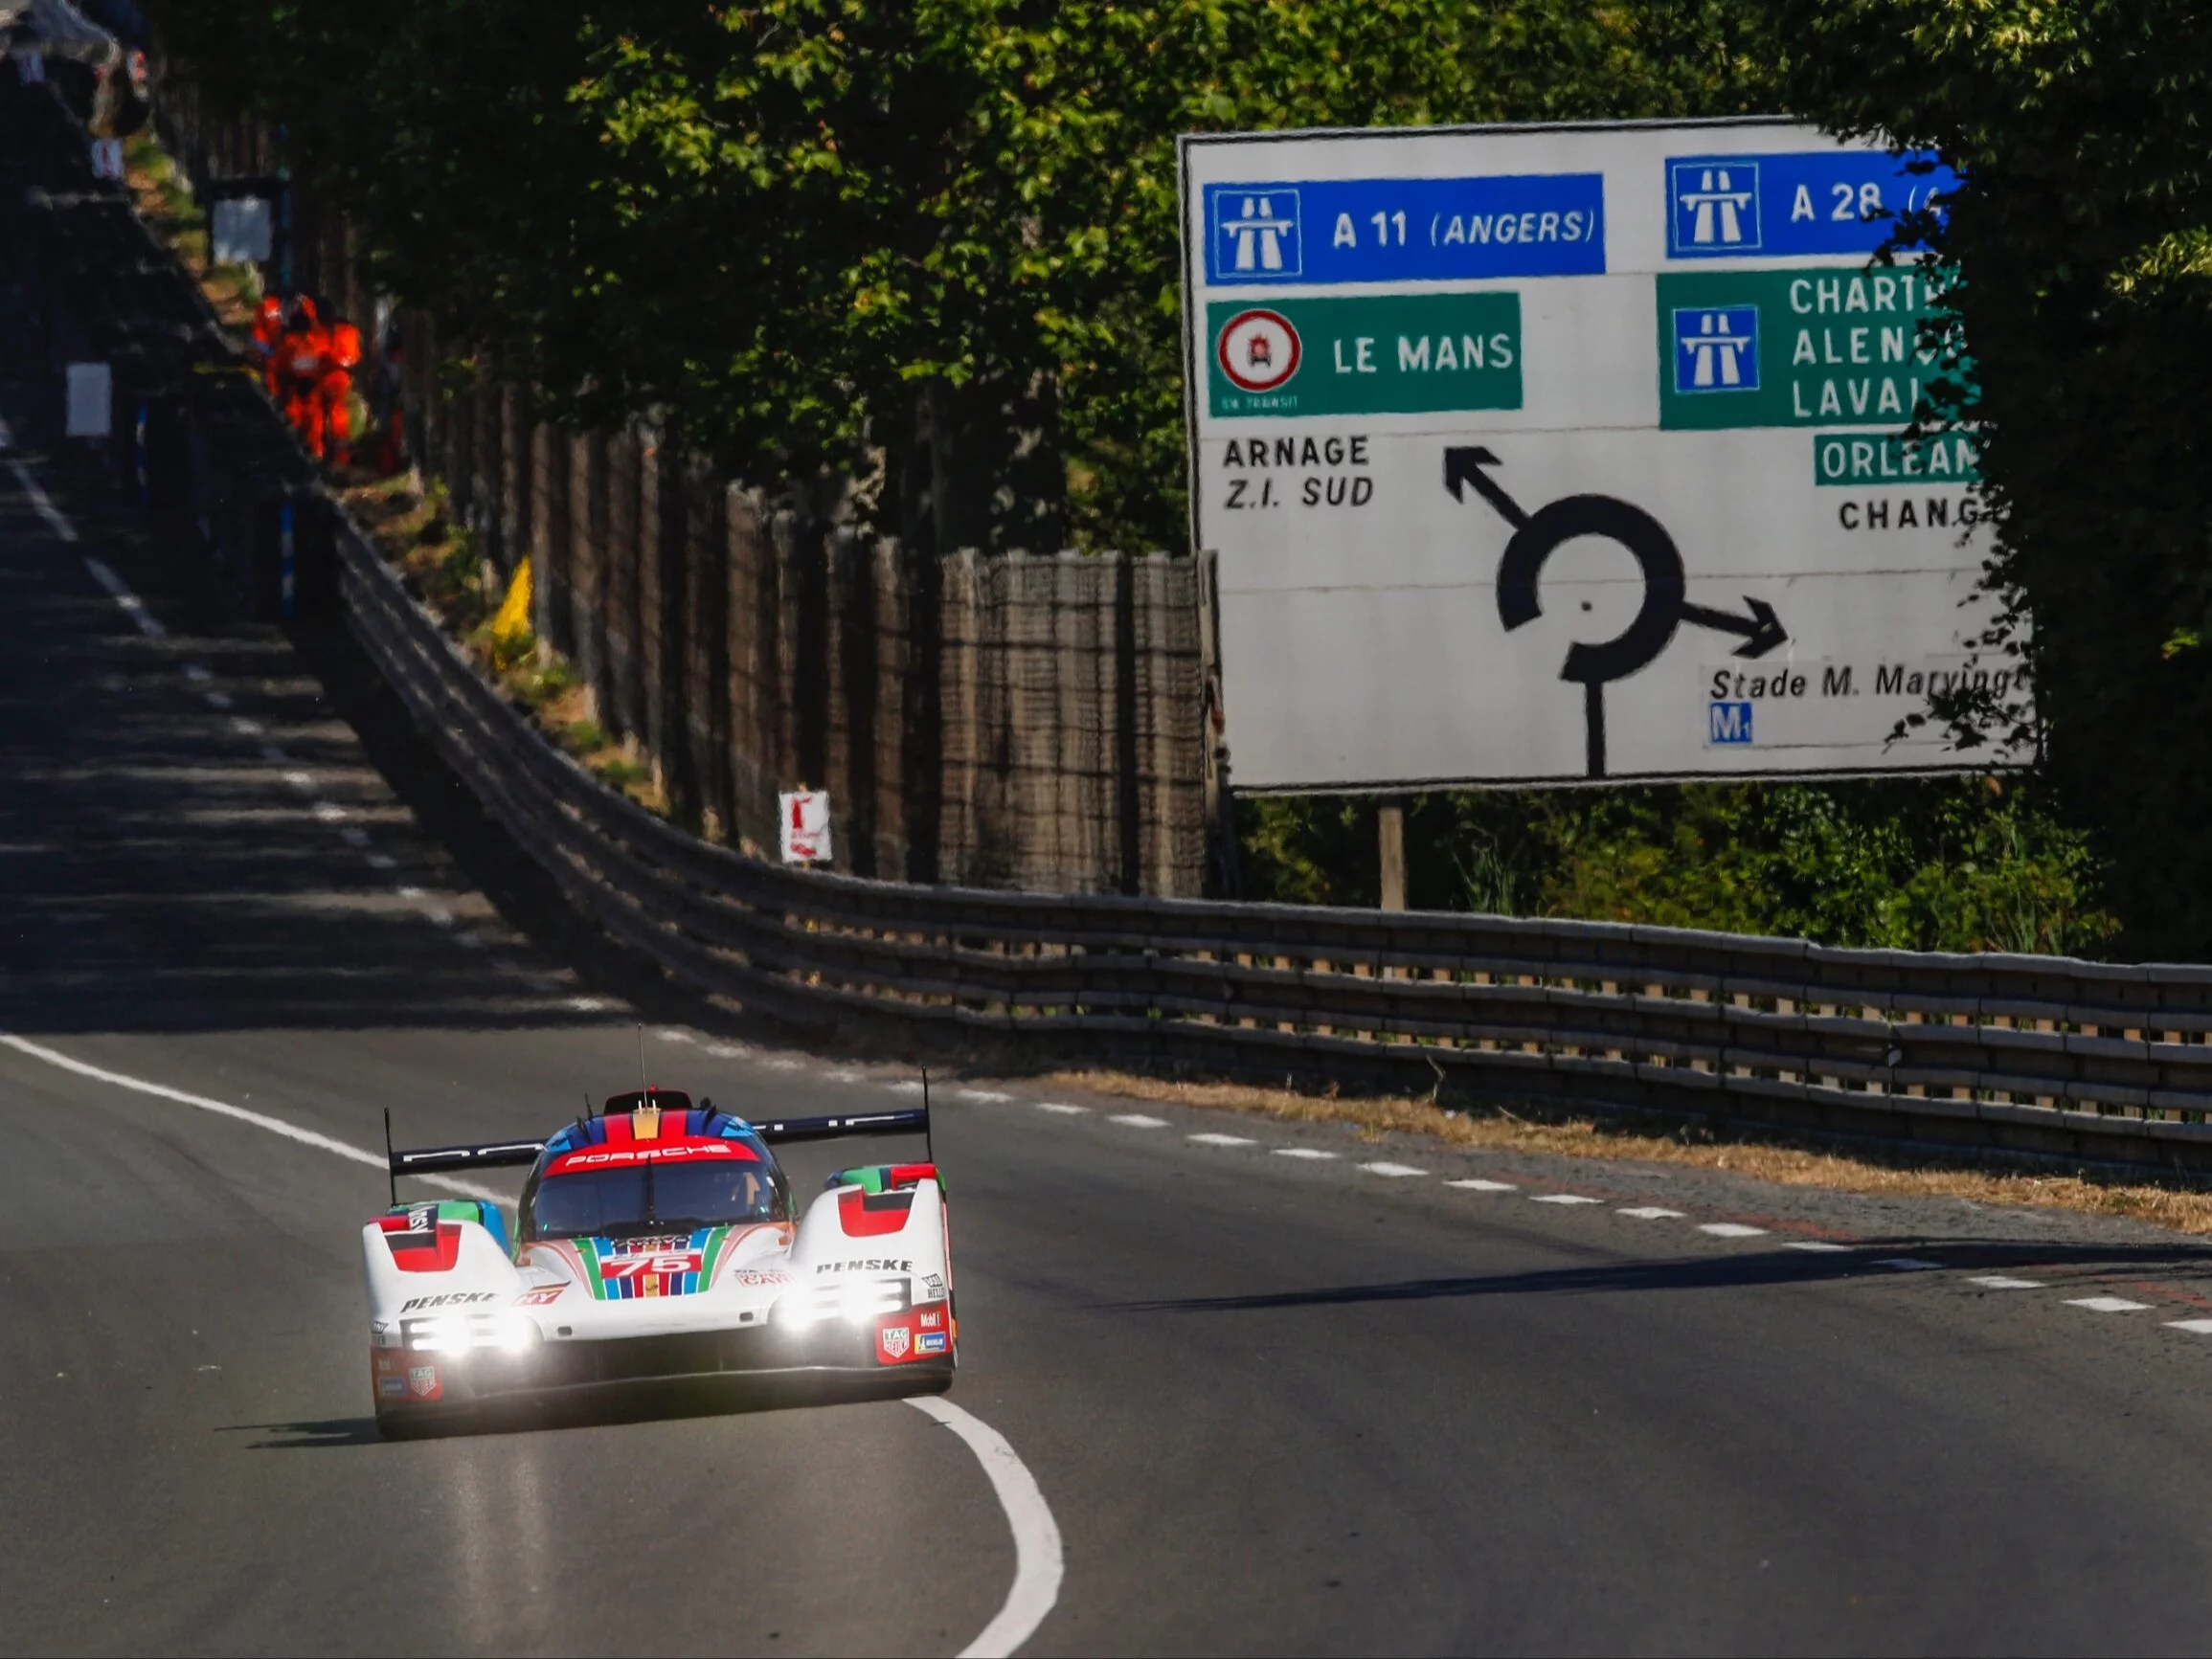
(1275, 1404)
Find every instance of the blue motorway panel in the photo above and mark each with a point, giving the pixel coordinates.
(1316, 232)
(1801, 202)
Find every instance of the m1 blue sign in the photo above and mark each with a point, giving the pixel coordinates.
(1795, 203)
(1317, 232)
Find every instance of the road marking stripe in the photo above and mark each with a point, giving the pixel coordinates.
(129, 602)
(1394, 1171)
(245, 727)
(382, 862)
(2108, 1304)
(989, 1096)
(1304, 1152)
(223, 1109)
(216, 699)
(1999, 1282)
(1039, 1562)
(1480, 1186)
(2198, 1327)
(905, 1086)
(1562, 1198)
(728, 1050)
(1062, 1107)
(1652, 1213)
(1222, 1140)
(1138, 1120)
(199, 673)
(672, 1036)
(1730, 1230)
(47, 510)
(784, 1064)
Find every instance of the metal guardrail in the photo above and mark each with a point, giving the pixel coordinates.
(2076, 1061)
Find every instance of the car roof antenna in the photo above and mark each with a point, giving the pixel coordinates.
(643, 1089)
(928, 1141)
(391, 1180)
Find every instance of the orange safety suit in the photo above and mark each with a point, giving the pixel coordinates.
(304, 358)
(268, 331)
(335, 392)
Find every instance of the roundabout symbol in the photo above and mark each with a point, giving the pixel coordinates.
(1665, 606)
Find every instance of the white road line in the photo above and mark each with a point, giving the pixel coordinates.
(47, 510)
(845, 1076)
(1999, 1282)
(2195, 1327)
(1138, 1120)
(1907, 1264)
(2108, 1304)
(216, 699)
(672, 1036)
(1304, 1152)
(589, 1005)
(382, 862)
(1039, 1564)
(1820, 1246)
(989, 1096)
(1391, 1171)
(330, 811)
(245, 727)
(1060, 1107)
(439, 915)
(199, 673)
(1479, 1186)
(410, 893)
(784, 1063)
(299, 780)
(905, 1085)
(223, 1109)
(728, 1050)
(129, 602)
(1222, 1140)
(1730, 1230)
(1652, 1213)
(1562, 1198)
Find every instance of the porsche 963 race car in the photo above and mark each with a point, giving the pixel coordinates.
(657, 1240)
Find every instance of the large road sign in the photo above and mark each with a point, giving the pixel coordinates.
(1553, 453)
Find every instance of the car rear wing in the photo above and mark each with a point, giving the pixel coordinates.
(787, 1130)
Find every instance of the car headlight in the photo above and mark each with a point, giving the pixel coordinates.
(460, 1333)
(856, 1301)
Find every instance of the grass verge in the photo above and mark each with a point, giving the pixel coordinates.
(1572, 1135)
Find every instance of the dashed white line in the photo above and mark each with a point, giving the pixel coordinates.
(845, 1076)
(2195, 1327)
(589, 1005)
(438, 916)
(1304, 1152)
(1999, 1282)
(382, 862)
(1222, 1140)
(989, 1096)
(1562, 1198)
(1138, 1120)
(216, 699)
(1652, 1213)
(2108, 1304)
(672, 1035)
(1391, 1171)
(199, 673)
(409, 893)
(299, 780)
(46, 508)
(1907, 1265)
(245, 727)
(1730, 1230)
(1061, 1108)
(127, 602)
(905, 1085)
(1819, 1246)
(1482, 1186)
(784, 1064)
(734, 1051)
(328, 811)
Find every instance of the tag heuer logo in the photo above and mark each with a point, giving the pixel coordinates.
(423, 1379)
(1258, 349)
(895, 1341)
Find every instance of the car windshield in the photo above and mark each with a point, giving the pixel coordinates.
(612, 1203)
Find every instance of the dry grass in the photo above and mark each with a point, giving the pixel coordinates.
(1496, 1129)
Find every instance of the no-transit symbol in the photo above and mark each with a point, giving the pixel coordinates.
(1664, 609)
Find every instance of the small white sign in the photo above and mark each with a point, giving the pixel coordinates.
(805, 826)
(240, 230)
(91, 400)
(107, 158)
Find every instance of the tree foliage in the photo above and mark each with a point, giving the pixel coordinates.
(2084, 238)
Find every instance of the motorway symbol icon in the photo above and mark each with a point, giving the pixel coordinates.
(1717, 348)
(1716, 208)
(1665, 605)
(1256, 234)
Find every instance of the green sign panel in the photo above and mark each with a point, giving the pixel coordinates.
(1866, 458)
(1394, 355)
(1836, 347)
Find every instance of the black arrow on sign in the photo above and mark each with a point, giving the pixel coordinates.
(1762, 630)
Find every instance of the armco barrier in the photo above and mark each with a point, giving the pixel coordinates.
(2054, 1059)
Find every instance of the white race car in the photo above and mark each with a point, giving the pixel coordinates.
(657, 1240)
